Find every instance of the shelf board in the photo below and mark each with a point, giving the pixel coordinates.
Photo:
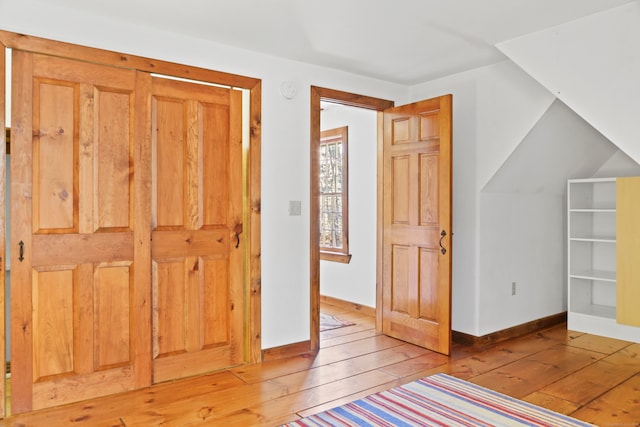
(593, 210)
(604, 326)
(591, 180)
(602, 275)
(600, 239)
(596, 310)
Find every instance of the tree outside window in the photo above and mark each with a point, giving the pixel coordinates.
(334, 206)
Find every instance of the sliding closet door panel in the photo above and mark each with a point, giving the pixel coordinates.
(196, 222)
(75, 302)
(3, 236)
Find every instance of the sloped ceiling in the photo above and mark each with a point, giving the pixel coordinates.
(592, 65)
(404, 41)
(560, 146)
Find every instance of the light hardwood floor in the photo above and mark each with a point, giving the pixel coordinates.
(589, 377)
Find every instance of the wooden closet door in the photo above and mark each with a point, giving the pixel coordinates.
(196, 225)
(80, 277)
(3, 228)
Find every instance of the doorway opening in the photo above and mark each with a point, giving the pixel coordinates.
(329, 98)
(347, 214)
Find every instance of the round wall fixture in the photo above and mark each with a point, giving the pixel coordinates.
(288, 89)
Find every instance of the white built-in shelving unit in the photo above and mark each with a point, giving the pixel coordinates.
(591, 229)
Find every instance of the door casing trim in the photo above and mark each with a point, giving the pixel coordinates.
(319, 94)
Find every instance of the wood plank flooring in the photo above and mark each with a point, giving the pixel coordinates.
(591, 378)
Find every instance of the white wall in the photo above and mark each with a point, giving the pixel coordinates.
(356, 282)
(515, 146)
(522, 219)
(592, 65)
(285, 138)
(494, 108)
(619, 164)
(521, 240)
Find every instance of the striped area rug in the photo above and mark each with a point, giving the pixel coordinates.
(438, 400)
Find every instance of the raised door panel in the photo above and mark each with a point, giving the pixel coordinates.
(54, 343)
(112, 302)
(75, 298)
(169, 144)
(112, 166)
(400, 292)
(427, 286)
(169, 307)
(429, 189)
(197, 221)
(55, 177)
(401, 189)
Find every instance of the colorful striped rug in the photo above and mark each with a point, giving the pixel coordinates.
(438, 400)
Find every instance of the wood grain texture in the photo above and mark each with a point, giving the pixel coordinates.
(75, 248)
(113, 197)
(253, 206)
(416, 194)
(121, 60)
(73, 288)
(113, 289)
(509, 333)
(53, 323)
(350, 365)
(379, 214)
(369, 311)
(197, 251)
(55, 156)
(117, 185)
(253, 86)
(3, 225)
(21, 188)
(314, 220)
(140, 297)
(285, 351)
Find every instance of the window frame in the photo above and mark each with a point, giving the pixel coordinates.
(327, 253)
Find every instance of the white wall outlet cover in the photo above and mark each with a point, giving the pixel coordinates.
(288, 89)
(295, 207)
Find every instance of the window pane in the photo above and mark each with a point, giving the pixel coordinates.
(332, 180)
(323, 168)
(338, 167)
(331, 168)
(338, 242)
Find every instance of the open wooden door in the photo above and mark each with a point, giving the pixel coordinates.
(416, 276)
(197, 224)
(79, 276)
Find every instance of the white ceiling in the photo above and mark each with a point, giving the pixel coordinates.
(403, 41)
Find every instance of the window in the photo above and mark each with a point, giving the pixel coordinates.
(334, 205)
